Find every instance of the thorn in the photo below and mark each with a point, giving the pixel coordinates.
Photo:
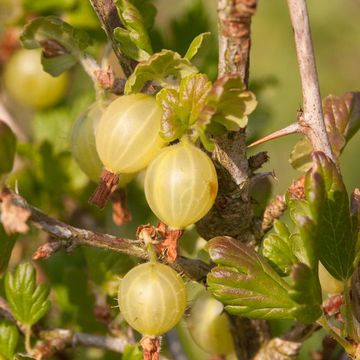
(291, 129)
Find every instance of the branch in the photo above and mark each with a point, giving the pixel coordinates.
(313, 120)
(109, 19)
(68, 237)
(288, 346)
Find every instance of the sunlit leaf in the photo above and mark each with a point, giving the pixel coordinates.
(195, 45)
(161, 68)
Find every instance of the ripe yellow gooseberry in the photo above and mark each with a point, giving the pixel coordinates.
(209, 326)
(27, 82)
(152, 298)
(181, 185)
(328, 283)
(127, 136)
(83, 145)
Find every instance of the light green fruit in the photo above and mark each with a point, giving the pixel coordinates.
(152, 298)
(83, 145)
(29, 84)
(127, 136)
(209, 326)
(181, 185)
(328, 283)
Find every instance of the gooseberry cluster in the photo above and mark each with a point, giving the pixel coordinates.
(180, 187)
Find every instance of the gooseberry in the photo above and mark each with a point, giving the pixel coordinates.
(127, 136)
(152, 298)
(181, 184)
(328, 283)
(209, 326)
(29, 84)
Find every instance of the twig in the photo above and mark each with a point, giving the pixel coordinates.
(288, 346)
(109, 19)
(71, 237)
(313, 120)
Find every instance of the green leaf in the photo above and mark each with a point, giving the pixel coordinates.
(127, 45)
(159, 68)
(9, 337)
(58, 39)
(300, 157)
(133, 39)
(330, 211)
(132, 352)
(246, 283)
(306, 291)
(28, 301)
(181, 109)
(277, 248)
(7, 243)
(7, 148)
(342, 120)
(229, 103)
(195, 45)
(304, 243)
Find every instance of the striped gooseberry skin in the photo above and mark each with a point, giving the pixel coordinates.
(181, 185)
(152, 298)
(83, 145)
(209, 326)
(127, 136)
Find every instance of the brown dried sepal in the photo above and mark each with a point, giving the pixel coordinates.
(151, 347)
(169, 244)
(107, 185)
(296, 190)
(13, 217)
(120, 214)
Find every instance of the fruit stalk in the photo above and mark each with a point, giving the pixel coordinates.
(107, 185)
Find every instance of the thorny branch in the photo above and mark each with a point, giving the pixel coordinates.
(312, 121)
(109, 19)
(68, 237)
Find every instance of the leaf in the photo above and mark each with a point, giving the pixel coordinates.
(306, 291)
(7, 148)
(28, 301)
(62, 44)
(304, 243)
(342, 120)
(159, 68)
(9, 337)
(128, 47)
(229, 103)
(132, 352)
(300, 157)
(133, 39)
(181, 109)
(7, 243)
(246, 283)
(330, 211)
(195, 45)
(277, 248)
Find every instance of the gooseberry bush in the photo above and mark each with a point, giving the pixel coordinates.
(185, 255)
